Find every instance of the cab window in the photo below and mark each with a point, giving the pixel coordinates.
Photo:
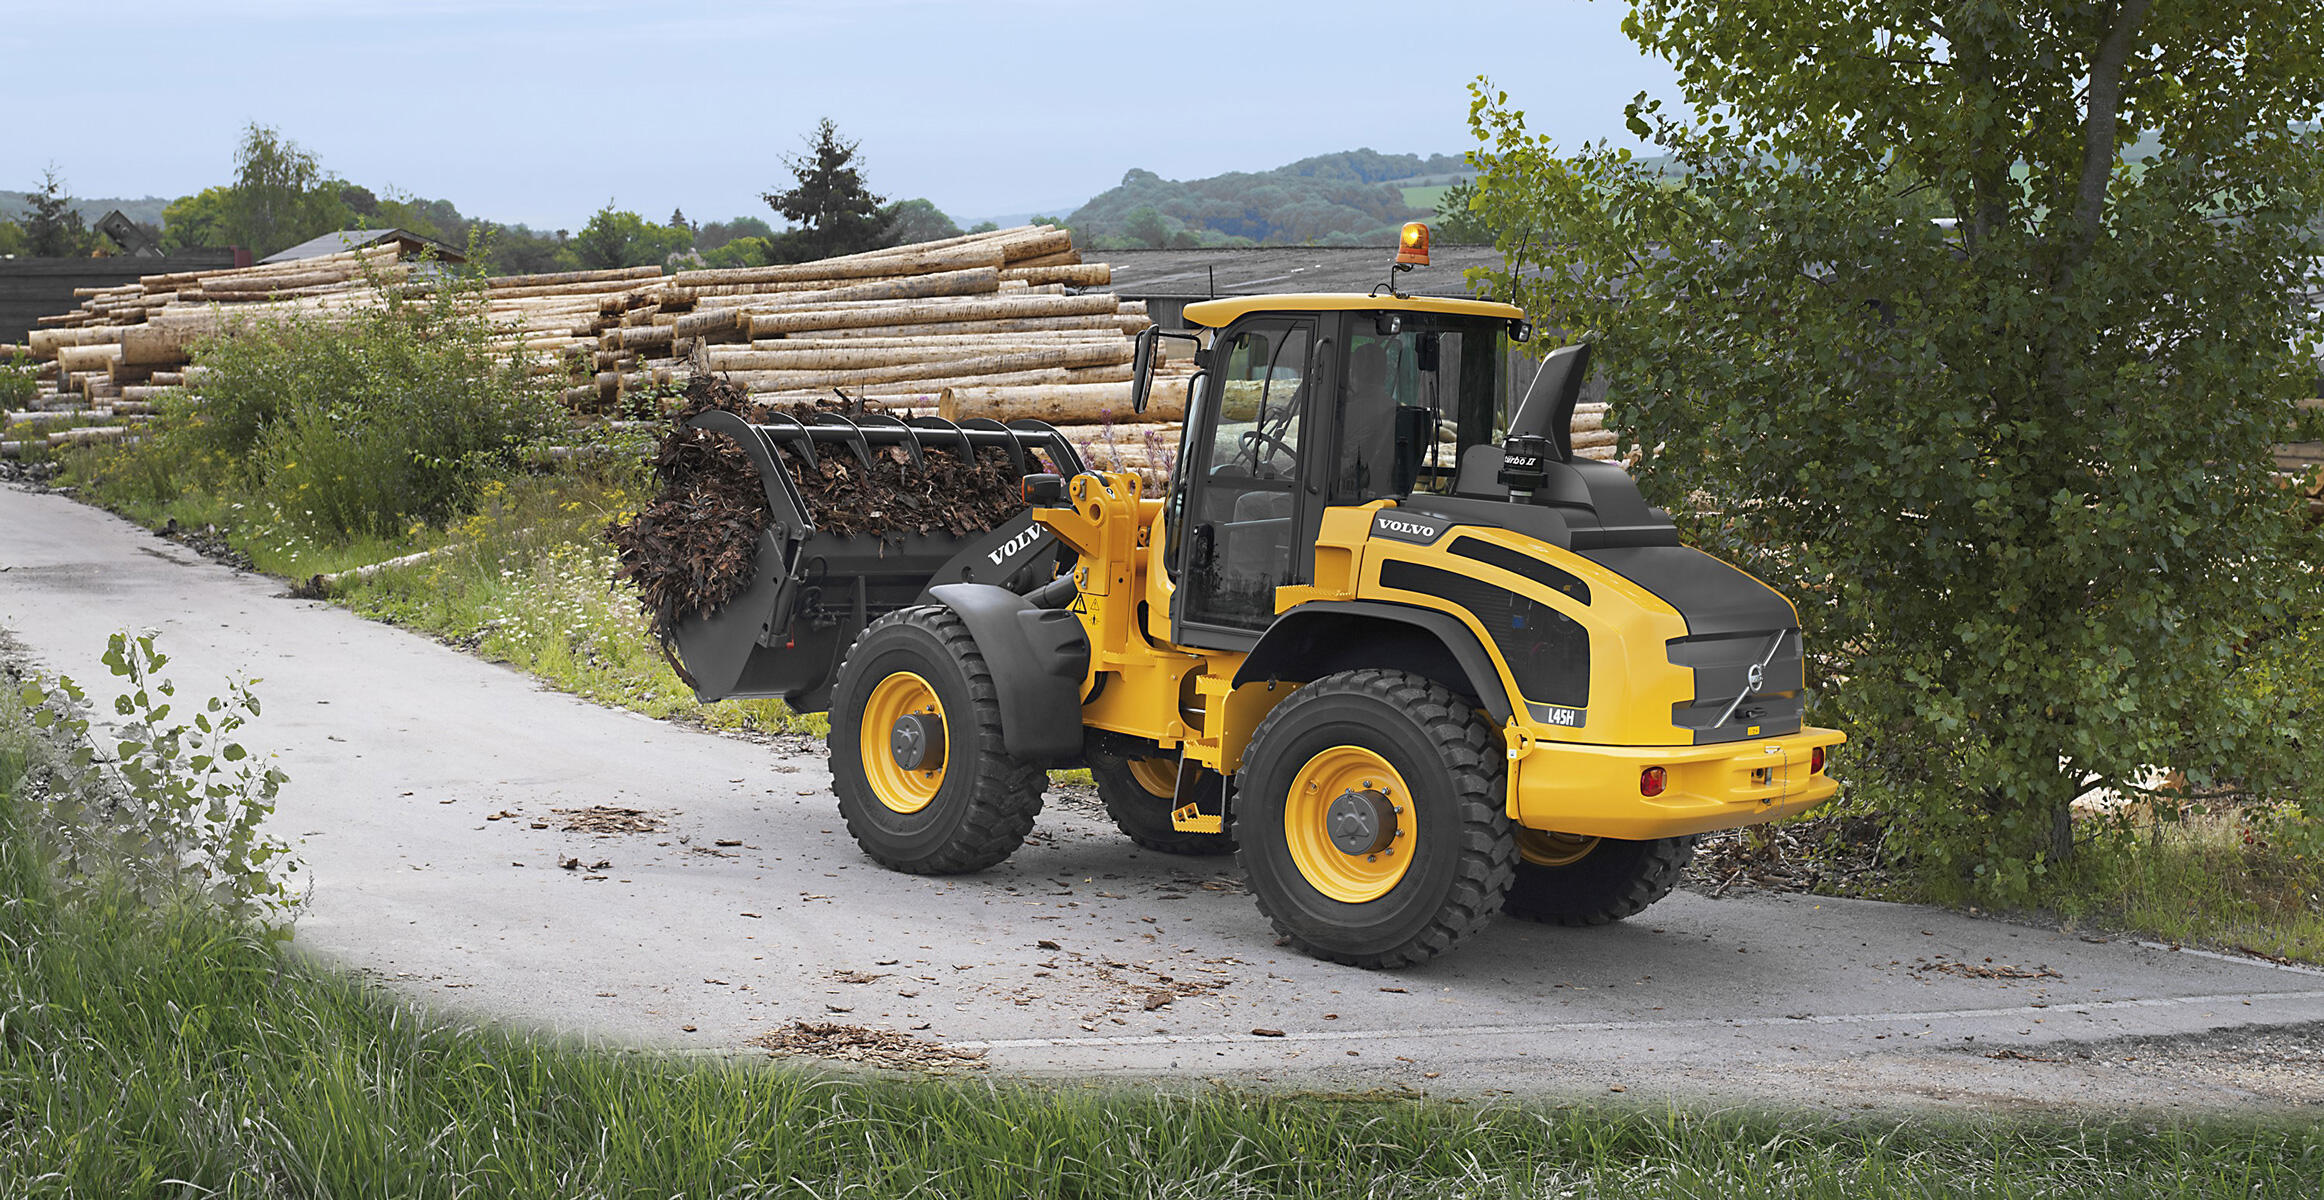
(1430, 373)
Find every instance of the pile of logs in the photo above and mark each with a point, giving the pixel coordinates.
(2300, 465)
(102, 367)
(1002, 325)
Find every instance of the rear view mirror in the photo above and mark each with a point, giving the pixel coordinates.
(1142, 368)
(1145, 349)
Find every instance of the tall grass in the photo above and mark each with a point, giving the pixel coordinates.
(2220, 877)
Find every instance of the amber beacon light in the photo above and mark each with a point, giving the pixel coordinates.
(1412, 246)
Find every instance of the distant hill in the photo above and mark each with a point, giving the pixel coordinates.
(145, 209)
(1352, 198)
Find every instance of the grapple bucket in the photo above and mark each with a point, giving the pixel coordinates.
(813, 591)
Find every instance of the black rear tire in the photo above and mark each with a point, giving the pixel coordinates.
(971, 811)
(1139, 810)
(1609, 880)
(1357, 908)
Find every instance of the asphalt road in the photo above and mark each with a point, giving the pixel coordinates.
(748, 909)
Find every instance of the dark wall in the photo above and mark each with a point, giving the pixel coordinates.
(31, 288)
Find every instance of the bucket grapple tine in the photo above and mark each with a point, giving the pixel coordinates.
(1061, 452)
(940, 425)
(803, 441)
(911, 440)
(848, 431)
(758, 441)
(1009, 442)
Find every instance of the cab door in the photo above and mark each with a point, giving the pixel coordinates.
(1243, 508)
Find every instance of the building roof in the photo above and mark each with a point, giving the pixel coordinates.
(357, 239)
(1268, 270)
(1224, 310)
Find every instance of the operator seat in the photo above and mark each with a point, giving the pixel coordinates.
(1367, 423)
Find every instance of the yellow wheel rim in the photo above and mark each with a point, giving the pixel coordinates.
(898, 696)
(1156, 775)
(1349, 878)
(1544, 849)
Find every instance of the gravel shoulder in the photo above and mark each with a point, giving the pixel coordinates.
(503, 851)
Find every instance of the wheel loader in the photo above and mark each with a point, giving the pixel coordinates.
(1385, 637)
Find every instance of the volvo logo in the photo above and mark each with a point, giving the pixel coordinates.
(1405, 528)
(1010, 548)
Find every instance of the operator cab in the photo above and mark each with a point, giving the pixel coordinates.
(1302, 402)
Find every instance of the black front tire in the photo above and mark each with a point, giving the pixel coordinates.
(1461, 853)
(984, 805)
(1612, 880)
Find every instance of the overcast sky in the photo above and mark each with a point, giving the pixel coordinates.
(542, 112)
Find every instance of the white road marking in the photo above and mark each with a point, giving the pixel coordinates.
(1487, 1031)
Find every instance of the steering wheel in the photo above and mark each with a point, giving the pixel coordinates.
(1255, 443)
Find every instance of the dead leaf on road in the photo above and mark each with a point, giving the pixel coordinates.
(603, 818)
(888, 1048)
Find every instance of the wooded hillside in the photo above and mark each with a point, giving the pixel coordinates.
(1349, 198)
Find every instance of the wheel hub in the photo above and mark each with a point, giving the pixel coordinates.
(1361, 822)
(917, 741)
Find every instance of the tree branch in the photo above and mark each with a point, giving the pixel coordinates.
(2101, 128)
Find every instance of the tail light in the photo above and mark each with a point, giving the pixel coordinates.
(1816, 761)
(1652, 780)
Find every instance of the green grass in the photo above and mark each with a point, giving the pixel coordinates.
(167, 1051)
(1425, 197)
(525, 579)
(2212, 879)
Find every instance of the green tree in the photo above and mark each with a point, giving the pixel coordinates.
(1144, 227)
(195, 221)
(836, 213)
(2015, 470)
(739, 252)
(13, 242)
(361, 201)
(713, 234)
(518, 250)
(280, 196)
(620, 238)
(918, 221)
(1457, 224)
(53, 228)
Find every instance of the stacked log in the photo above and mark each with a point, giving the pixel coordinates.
(123, 347)
(1003, 325)
(887, 327)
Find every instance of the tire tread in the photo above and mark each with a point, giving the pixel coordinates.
(1488, 854)
(1007, 792)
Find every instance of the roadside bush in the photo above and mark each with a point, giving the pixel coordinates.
(366, 423)
(17, 385)
(1911, 339)
(173, 811)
